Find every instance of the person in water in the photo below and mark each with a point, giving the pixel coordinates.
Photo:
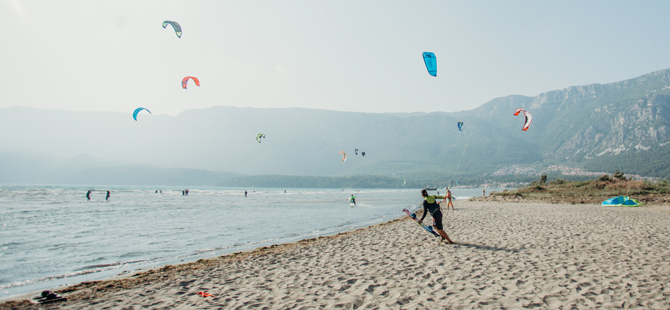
(108, 194)
(88, 195)
(245, 193)
(352, 199)
(430, 205)
(449, 200)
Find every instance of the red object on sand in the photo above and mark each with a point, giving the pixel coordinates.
(205, 294)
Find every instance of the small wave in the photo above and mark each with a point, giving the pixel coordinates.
(67, 275)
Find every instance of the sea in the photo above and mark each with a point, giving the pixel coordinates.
(52, 235)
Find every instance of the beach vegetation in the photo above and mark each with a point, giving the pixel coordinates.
(605, 186)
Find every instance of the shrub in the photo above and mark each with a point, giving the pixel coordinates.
(557, 182)
(604, 178)
(619, 175)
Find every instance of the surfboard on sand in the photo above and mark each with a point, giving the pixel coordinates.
(426, 227)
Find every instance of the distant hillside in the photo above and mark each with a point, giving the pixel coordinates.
(25, 167)
(622, 125)
(298, 141)
(595, 126)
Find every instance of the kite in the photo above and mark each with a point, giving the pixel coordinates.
(175, 25)
(431, 63)
(363, 153)
(138, 111)
(529, 118)
(344, 158)
(403, 181)
(460, 126)
(184, 81)
(259, 136)
(356, 151)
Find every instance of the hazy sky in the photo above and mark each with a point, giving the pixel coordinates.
(339, 55)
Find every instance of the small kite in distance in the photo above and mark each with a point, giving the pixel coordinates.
(356, 151)
(138, 111)
(184, 81)
(175, 25)
(363, 153)
(259, 136)
(344, 158)
(460, 126)
(529, 118)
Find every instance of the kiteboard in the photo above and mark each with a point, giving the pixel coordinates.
(426, 227)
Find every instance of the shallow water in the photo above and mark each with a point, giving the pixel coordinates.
(51, 235)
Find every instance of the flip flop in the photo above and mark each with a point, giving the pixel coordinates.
(205, 294)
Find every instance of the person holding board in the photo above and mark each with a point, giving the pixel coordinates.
(430, 205)
(352, 199)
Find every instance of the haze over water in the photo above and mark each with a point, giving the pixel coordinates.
(51, 235)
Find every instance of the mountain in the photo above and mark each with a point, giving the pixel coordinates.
(600, 127)
(28, 167)
(593, 125)
(298, 141)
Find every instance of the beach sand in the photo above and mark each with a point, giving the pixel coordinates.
(509, 255)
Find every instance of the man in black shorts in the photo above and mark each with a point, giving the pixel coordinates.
(430, 205)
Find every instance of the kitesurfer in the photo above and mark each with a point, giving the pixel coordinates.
(245, 193)
(352, 199)
(108, 194)
(430, 205)
(88, 195)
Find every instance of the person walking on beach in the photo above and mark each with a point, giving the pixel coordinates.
(352, 199)
(108, 194)
(430, 205)
(483, 192)
(245, 193)
(88, 195)
(449, 199)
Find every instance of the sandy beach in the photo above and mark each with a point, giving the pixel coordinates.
(508, 255)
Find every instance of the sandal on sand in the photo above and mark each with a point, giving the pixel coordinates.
(205, 294)
(49, 297)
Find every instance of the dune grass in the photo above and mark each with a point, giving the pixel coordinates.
(604, 186)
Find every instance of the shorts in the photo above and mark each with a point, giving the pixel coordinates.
(437, 219)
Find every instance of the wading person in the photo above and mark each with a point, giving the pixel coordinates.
(430, 205)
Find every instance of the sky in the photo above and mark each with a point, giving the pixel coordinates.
(362, 56)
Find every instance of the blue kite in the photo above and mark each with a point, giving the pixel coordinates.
(138, 111)
(621, 201)
(431, 63)
(460, 126)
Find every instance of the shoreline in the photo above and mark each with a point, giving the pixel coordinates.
(122, 281)
(508, 255)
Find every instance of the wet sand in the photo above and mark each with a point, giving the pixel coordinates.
(508, 255)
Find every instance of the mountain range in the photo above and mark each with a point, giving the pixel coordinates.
(599, 127)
